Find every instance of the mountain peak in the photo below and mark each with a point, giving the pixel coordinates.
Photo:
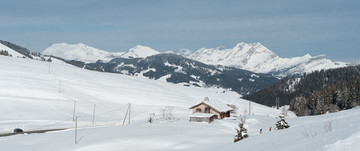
(257, 58)
(243, 55)
(140, 51)
(79, 52)
(241, 45)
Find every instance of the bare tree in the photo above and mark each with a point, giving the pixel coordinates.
(167, 113)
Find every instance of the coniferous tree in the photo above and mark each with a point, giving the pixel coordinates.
(282, 124)
(241, 132)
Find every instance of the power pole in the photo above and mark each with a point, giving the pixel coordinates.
(93, 115)
(76, 129)
(277, 102)
(74, 111)
(249, 107)
(129, 112)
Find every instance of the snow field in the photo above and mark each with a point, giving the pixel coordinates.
(30, 99)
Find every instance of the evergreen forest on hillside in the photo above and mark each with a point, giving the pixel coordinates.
(315, 93)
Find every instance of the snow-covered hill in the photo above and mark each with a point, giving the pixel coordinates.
(88, 54)
(257, 58)
(42, 95)
(11, 52)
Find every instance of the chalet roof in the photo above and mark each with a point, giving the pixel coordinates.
(218, 106)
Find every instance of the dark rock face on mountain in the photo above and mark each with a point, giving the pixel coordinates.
(315, 93)
(177, 69)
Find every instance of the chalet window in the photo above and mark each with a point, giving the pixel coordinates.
(207, 110)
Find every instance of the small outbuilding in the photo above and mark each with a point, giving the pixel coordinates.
(208, 110)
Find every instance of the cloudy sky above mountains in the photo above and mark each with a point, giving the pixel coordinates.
(289, 28)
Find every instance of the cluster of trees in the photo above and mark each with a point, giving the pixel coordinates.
(315, 93)
(5, 53)
(333, 98)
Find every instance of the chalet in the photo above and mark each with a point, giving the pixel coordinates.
(208, 110)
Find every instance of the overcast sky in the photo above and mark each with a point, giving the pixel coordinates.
(287, 27)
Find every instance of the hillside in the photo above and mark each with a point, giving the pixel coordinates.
(179, 70)
(8, 47)
(32, 98)
(17, 51)
(310, 88)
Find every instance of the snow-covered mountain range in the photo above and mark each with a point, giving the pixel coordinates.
(253, 57)
(88, 54)
(257, 58)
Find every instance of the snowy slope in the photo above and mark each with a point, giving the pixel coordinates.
(11, 52)
(257, 58)
(88, 54)
(330, 132)
(32, 98)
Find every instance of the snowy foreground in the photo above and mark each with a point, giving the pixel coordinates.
(37, 95)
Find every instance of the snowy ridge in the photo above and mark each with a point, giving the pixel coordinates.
(88, 54)
(11, 52)
(79, 52)
(257, 58)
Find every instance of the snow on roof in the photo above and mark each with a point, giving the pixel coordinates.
(197, 114)
(216, 105)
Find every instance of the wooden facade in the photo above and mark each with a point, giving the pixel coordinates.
(202, 117)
